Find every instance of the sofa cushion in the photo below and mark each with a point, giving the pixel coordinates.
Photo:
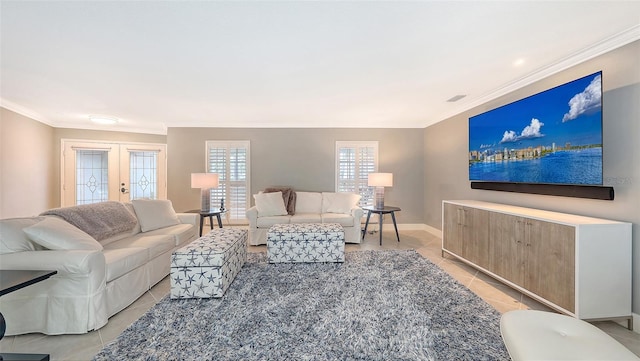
(54, 233)
(180, 232)
(266, 222)
(155, 213)
(121, 261)
(270, 204)
(12, 236)
(288, 196)
(339, 202)
(154, 244)
(306, 218)
(309, 202)
(136, 229)
(344, 220)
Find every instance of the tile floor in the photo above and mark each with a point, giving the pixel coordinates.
(84, 347)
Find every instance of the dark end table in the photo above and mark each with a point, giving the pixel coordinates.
(381, 212)
(13, 280)
(210, 213)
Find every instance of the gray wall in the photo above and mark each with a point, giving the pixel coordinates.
(446, 164)
(302, 158)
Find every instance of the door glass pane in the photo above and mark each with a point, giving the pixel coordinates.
(92, 176)
(143, 170)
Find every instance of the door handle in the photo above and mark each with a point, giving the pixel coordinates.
(123, 189)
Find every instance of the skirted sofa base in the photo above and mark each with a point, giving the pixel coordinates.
(95, 279)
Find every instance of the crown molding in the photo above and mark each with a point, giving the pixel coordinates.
(604, 46)
(25, 112)
(9, 105)
(162, 130)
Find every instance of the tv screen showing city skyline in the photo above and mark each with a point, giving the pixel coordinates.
(553, 137)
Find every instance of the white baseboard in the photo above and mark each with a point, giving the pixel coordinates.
(409, 227)
(421, 227)
(636, 322)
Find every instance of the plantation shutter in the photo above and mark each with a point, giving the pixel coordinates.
(230, 160)
(354, 162)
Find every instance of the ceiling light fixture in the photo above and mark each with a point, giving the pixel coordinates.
(101, 119)
(518, 62)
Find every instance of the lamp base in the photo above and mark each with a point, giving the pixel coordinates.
(205, 195)
(379, 204)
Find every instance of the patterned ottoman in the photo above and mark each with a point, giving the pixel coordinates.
(207, 266)
(305, 242)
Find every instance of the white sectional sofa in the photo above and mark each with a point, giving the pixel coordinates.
(107, 255)
(310, 207)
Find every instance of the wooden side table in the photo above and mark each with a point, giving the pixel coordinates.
(13, 280)
(381, 212)
(209, 214)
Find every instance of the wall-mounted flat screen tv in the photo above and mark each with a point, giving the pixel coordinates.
(553, 137)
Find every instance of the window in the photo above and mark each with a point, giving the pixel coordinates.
(230, 160)
(354, 162)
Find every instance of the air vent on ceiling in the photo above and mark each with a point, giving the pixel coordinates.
(456, 98)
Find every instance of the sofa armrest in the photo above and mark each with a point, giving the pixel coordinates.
(189, 218)
(252, 216)
(71, 262)
(357, 214)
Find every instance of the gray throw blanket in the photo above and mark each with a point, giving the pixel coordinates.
(100, 220)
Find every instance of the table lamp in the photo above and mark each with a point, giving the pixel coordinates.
(204, 181)
(380, 180)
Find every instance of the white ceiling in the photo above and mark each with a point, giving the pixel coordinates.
(159, 64)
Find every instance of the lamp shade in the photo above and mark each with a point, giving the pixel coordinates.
(204, 180)
(380, 180)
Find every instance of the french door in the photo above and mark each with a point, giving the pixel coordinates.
(95, 171)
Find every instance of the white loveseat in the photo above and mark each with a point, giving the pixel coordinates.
(114, 254)
(310, 207)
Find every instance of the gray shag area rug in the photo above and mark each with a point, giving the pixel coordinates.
(378, 305)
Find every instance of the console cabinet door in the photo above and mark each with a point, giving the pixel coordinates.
(476, 236)
(466, 233)
(506, 251)
(453, 228)
(550, 262)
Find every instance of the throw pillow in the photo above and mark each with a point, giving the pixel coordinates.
(155, 213)
(270, 204)
(339, 202)
(57, 234)
(309, 202)
(12, 237)
(288, 196)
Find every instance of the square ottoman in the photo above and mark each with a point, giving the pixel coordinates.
(305, 242)
(207, 266)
